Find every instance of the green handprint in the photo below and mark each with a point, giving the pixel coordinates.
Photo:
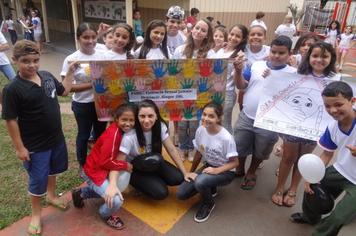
(173, 67)
(218, 98)
(187, 83)
(188, 113)
(129, 85)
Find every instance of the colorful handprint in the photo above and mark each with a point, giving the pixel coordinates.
(199, 114)
(218, 66)
(189, 68)
(218, 98)
(129, 69)
(158, 69)
(175, 115)
(172, 105)
(104, 114)
(140, 85)
(219, 84)
(172, 67)
(203, 98)
(115, 88)
(99, 86)
(156, 84)
(188, 103)
(102, 102)
(203, 85)
(95, 70)
(187, 83)
(188, 113)
(205, 69)
(111, 71)
(129, 85)
(164, 114)
(172, 83)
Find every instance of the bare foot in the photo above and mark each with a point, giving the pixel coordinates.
(277, 198)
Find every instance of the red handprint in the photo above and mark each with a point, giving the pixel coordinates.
(156, 84)
(205, 68)
(171, 105)
(175, 115)
(129, 69)
(188, 103)
(103, 102)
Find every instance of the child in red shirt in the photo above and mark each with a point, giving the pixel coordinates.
(102, 168)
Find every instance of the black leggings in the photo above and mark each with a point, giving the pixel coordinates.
(154, 184)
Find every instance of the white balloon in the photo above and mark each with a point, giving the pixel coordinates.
(311, 167)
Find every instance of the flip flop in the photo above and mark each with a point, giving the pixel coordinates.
(115, 222)
(36, 229)
(59, 204)
(292, 199)
(248, 183)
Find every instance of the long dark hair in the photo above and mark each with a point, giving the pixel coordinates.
(132, 40)
(302, 39)
(241, 46)
(147, 44)
(84, 27)
(219, 111)
(156, 129)
(337, 27)
(205, 46)
(305, 68)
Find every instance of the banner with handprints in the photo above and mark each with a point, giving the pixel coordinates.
(180, 88)
(292, 104)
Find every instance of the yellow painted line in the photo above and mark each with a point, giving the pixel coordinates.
(160, 215)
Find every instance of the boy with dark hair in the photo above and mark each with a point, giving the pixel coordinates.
(137, 23)
(252, 140)
(175, 37)
(340, 135)
(193, 18)
(32, 114)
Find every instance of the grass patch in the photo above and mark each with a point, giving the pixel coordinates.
(14, 200)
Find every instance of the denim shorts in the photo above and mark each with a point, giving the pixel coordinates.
(43, 164)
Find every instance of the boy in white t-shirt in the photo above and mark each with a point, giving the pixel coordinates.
(249, 139)
(340, 135)
(175, 37)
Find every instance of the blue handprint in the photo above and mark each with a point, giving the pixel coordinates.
(186, 83)
(218, 98)
(218, 66)
(203, 85)
(99, 86)
(158, 69)
(199, 114)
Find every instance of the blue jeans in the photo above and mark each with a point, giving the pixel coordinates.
(95, 191)
(8, 71)
(230, 100)
(186, 134)
(86, 118)
(203, 184)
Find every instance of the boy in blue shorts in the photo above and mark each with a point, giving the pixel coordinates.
(250, 139)
(340, 135)
(31, 110)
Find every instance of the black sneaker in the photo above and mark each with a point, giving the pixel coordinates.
(78, 201)
(203, 212)
(214, 191)
(298, 218)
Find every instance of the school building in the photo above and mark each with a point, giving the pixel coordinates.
(61, 17)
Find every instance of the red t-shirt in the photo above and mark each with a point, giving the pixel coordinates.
(192, 20)
(102, 158)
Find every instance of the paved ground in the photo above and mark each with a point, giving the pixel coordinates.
(237, 212)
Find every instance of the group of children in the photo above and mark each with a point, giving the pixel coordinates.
(139, 130)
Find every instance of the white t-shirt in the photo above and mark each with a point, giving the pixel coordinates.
(257, 56)
(153, 54)
(81, 75)
(130, 146)
(111, 55)
(255, 87)
(174, 41)
(230, 82)
(3, 58)
(346, 40)
(331, 36)
(178, 53)
(258, 22)
(287, 30)
(36, 21)
(10, 24)
(217, 149)
(335, 139)
(101, 47)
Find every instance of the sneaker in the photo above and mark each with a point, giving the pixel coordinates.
(298, 218)
(204, 212)
(78, 200)
(115, 222)
(214, 191)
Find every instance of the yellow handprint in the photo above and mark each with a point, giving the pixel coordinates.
(115, 87)
(172, 83)
(86, 69)
(164, 114)
(203, 98)
(189, 68)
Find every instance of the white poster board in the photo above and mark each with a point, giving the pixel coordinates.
(292, 104)
(109, 10)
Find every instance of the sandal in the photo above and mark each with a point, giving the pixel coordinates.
(277, 198)
(33, 230)
(58, 203)
(289, 199)
(115, 222)
(248, 183)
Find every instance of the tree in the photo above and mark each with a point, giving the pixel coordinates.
(297, 15)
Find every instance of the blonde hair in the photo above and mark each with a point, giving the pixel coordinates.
(25, 47)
